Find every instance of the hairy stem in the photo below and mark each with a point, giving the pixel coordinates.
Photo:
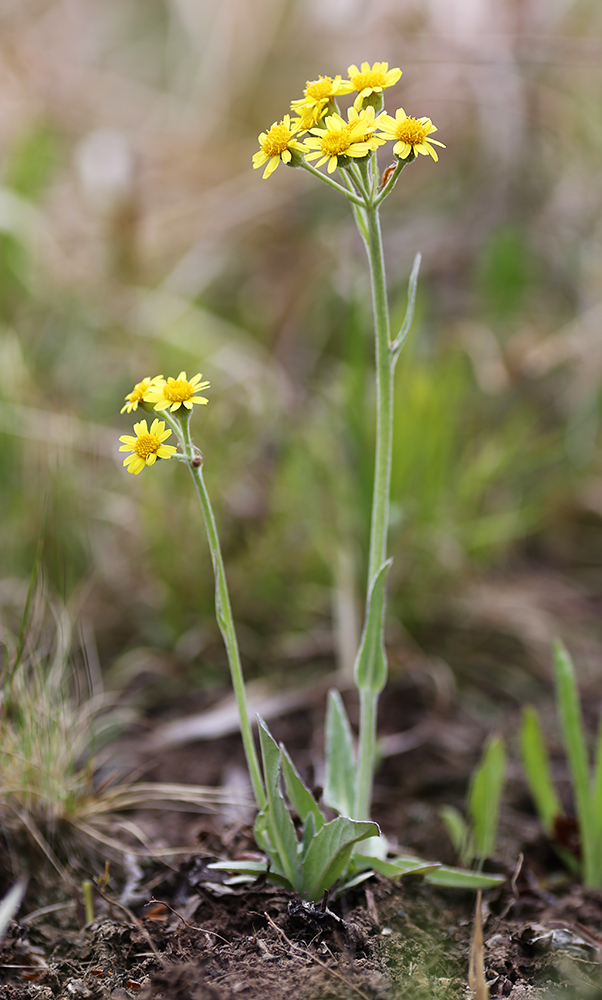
(222, 604)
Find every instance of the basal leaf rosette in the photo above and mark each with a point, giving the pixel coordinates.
(340, 139)
(411, 135)
(277, 144)
(176, 392)
(147, 446)
(371, 80)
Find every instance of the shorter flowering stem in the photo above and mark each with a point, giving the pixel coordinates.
(332, 183)
(222, 603)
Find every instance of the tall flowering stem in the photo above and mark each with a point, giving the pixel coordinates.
(223, 608)
(385, 368)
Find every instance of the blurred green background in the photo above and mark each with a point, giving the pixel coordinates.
(136, 239)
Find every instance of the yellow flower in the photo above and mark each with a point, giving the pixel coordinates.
(176, 392)
(136, 395)
(319, 92)
(147, 446)
(409, 133)
(341, 138)
(311, 116)
(371, 81)
(276, 145)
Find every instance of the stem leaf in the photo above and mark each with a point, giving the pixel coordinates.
(371, 662)
(339, 784)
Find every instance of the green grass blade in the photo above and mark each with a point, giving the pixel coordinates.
(339, 784)
(572, 729)
(537, 770)
(484, 796)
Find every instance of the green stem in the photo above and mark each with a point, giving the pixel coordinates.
(380, 495)
(384, 399)
(222, 603)
(332, 183)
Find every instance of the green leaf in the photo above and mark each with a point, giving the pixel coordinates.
(275, 819)
(396, 867)
(255, 869)
(484, 795)
(339, 784)
(371, 662)
(409, 316)
(330, 852)
(252, 869)
(455, 824)
(299, 794)
(537, 770)
(457, 878)
(597, 802)
(572, 728)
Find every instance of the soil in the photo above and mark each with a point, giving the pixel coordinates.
(173, 929)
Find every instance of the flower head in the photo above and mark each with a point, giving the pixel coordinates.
(136, 396)
(147, 446)
(373, 80)
(276, 145)
(322, 89)
(343, 138)
(176, 392)
(411, 134)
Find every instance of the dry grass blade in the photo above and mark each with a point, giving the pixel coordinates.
(10, 904)
(476, 963)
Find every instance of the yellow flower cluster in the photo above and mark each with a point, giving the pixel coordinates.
(329, 138)
(159, 394)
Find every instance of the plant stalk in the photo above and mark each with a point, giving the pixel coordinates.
(380, 496)
(223, 608)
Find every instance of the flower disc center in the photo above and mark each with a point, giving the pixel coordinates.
(177, 391)
(411, 131)
(146, 444)
(276, 140)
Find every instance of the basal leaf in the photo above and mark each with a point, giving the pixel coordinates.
(329, 853)
(276, 821)
(484, 796)
(457, 878)
(299, 794)
(537, 770)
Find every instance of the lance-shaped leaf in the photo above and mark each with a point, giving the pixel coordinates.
(484, 797)
(339, 784)
(371, 662)
(537, 768)
(395, 867)
(330, 851)
(299, 794)
(457, 878)
(409, 316)
(275, 820)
